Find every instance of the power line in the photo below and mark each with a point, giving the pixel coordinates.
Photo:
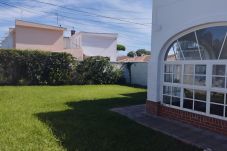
(92, 14)
(59, 15)
(33, 11)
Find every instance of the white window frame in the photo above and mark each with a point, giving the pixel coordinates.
(208, 88)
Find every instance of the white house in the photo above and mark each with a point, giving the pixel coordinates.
(29, 35)
(94, 44)
(191, 86)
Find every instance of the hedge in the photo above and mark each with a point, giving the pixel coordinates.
(26, 67)
(97, 70)
(35, 67)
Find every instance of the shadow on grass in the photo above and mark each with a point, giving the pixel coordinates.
(90, 126)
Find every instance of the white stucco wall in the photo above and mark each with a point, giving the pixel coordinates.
(99, 45)
(171, 17)
(138, 72)
(8, 41)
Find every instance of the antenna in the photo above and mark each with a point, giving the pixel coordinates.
(21, 14)
(57, 18)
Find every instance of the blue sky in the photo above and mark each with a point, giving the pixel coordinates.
(134, 35)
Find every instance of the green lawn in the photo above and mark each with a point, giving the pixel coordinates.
(76, 118)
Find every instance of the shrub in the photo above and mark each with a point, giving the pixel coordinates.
(35, 67)
(97, 70)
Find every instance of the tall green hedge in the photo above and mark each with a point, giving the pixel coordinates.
(97, 70)
(35, 67)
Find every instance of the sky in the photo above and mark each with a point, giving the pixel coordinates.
(131, 19)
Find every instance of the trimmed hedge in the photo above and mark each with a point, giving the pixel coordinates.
(35, 67)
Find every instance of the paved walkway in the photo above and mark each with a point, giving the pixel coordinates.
(201, 138)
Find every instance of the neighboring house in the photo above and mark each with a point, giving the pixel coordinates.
(191, 86)
(94, 44)
(27, 35)
(144, 58)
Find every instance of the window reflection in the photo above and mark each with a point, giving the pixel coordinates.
(203, 44)
(189, 47)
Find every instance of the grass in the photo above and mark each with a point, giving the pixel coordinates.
(76, 118)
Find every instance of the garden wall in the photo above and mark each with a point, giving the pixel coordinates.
(138, 72)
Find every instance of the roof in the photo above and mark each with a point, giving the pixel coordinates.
(37, 25)
(101, 34)
(145, 58)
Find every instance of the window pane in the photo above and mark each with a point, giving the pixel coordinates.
(189, 47)
(177, 78)
(224, 51)
(168, 78)
(200, 80)
(168, 68)
(210, 40)
(217, 97)
(218, 82)
(166, 99)
(177, 68)
(189, 69)
(200, 69)
(176, 101)
(188, 93)
(176, 91)
(188, 79)
(167, 90)
(188, 104)
(200, 95)
(217, 109)
(174, 53)
(219, 70)
(225, 111)
(200, 106)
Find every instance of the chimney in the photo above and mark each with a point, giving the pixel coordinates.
(73, 32)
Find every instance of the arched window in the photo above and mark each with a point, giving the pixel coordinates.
(195, 73)
(205, 44)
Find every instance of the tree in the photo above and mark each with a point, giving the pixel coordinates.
(131, 54)
(121, 47)
(141, 52)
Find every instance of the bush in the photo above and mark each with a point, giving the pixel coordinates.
(97, 70)
(35, 67)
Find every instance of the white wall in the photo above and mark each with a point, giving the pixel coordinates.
(171, 17)
(8, 41)
(138, 72)
(99, 45)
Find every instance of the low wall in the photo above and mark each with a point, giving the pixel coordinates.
(138, 72)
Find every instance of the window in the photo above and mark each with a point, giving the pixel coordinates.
(218, 76)
(195, 72)
(171, 95)
(172, 73)
(189, 47)
(195, 100)
(211, 40)
(203, 44)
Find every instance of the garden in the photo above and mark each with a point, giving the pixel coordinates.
(56, 109)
